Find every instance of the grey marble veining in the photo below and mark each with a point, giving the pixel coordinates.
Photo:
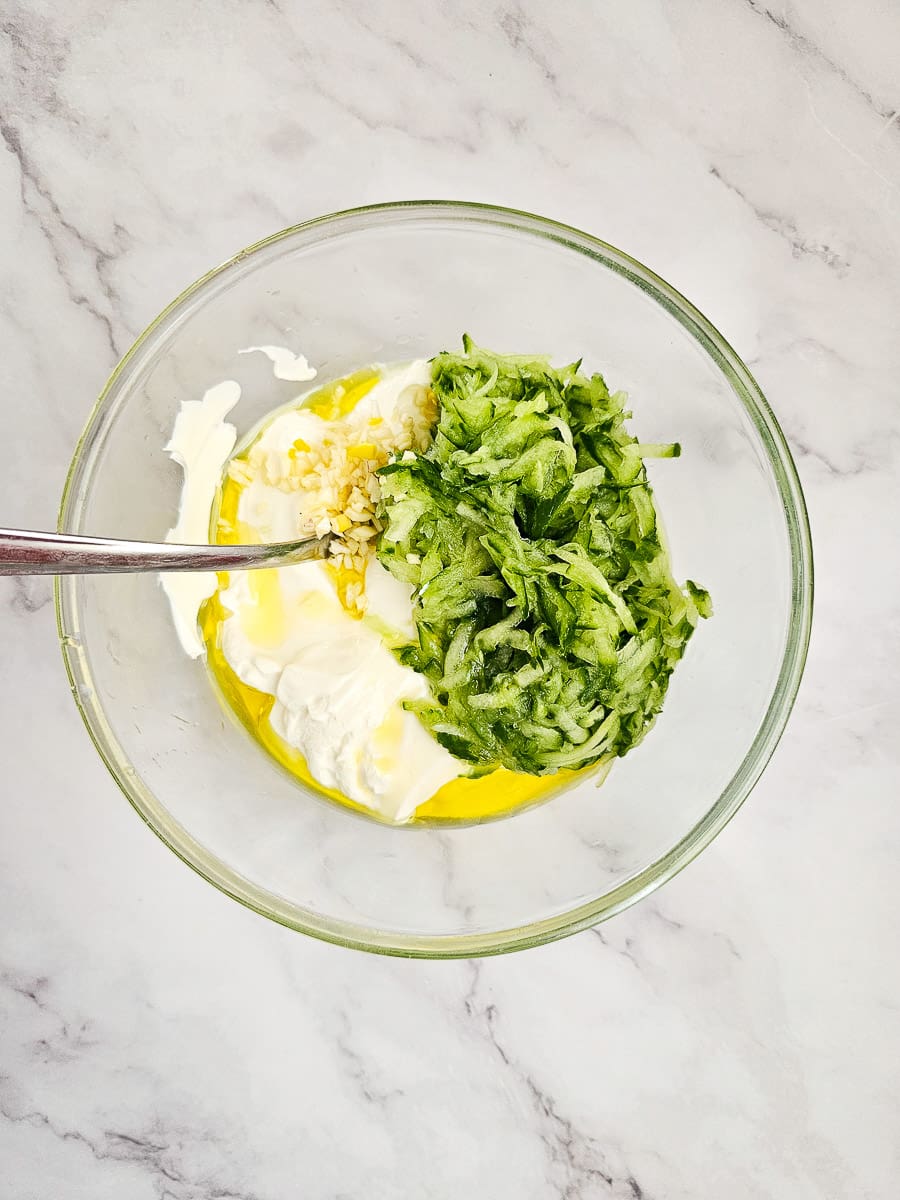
(736, 1035)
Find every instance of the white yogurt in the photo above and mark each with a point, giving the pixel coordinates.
(285, 364)
(201, 443)
(338, 689)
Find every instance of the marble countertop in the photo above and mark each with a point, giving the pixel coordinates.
(735, 1036)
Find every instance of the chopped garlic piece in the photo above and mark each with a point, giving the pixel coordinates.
(334, 476)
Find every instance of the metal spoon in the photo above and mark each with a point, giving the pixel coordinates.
(28, 552)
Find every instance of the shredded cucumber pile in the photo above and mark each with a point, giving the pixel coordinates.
(547, 617)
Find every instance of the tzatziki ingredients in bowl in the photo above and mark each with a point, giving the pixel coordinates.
(497, 615)
(496, 712)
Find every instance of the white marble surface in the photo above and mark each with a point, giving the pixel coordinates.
(737, 1035)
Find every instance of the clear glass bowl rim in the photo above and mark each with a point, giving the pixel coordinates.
(270, 905)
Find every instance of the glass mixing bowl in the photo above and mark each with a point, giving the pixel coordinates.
(394, 282)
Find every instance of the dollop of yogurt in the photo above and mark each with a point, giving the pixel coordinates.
(338, 690)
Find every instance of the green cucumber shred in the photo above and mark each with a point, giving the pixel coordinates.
(548, 621)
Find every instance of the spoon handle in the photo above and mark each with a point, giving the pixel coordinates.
(29, 552)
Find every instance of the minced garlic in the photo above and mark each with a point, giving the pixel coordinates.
(338, 482)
